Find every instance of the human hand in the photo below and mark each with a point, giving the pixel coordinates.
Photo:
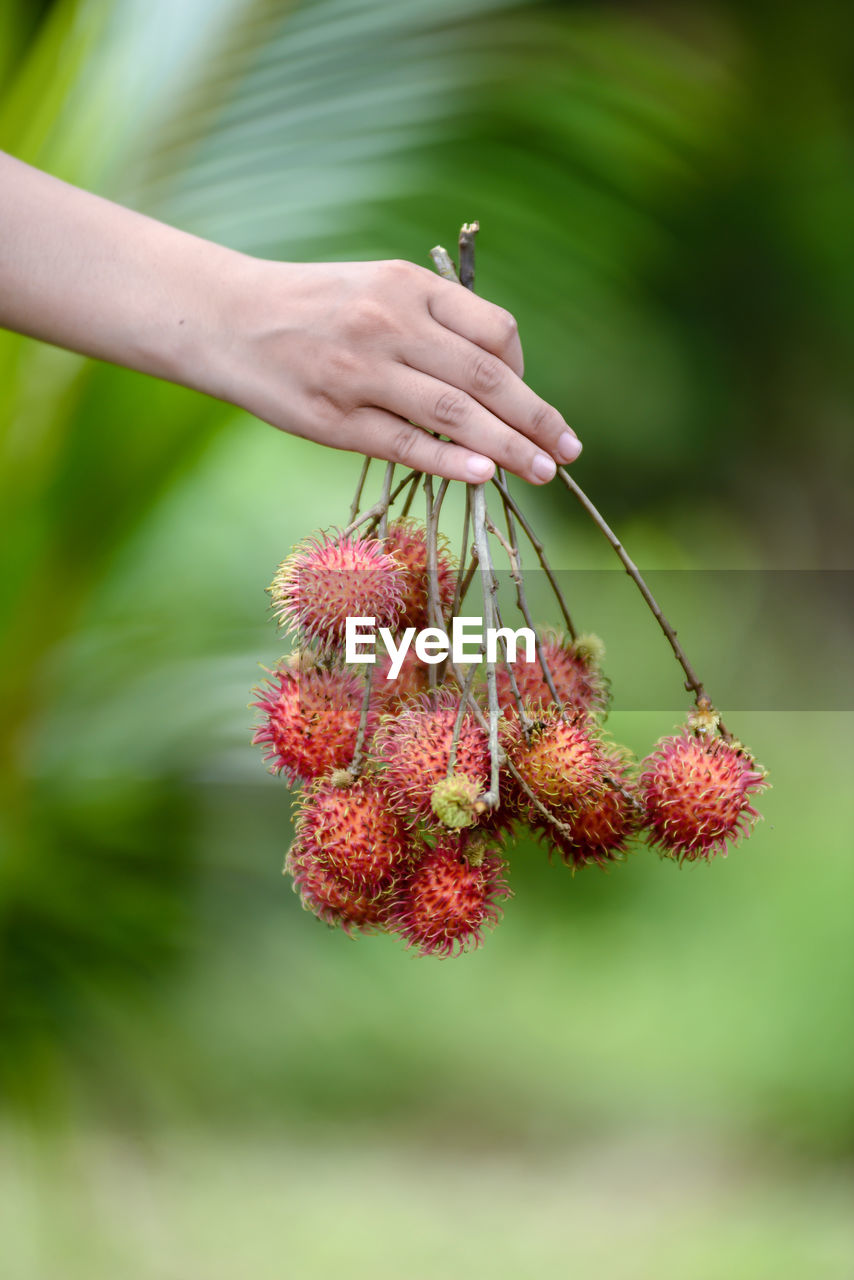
(352, 354)
(348, 354)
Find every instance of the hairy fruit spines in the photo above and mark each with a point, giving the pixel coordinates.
(334, 900)
(575, 669)
(330, 577)
(697, 794)
(309, 720)
(407, 542)
(355, 833)
(448, 901)
(563, 762)
(413, 749)
(600, 826)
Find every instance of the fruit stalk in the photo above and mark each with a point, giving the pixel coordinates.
(522, 605)
(375, 513)
(357, 496)
(511, 507)
(488, 588)
(692, 682)
(358, 761)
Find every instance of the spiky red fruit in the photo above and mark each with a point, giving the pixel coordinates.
(414, 746)
(310, 720)
(564, 763)
(354, 832)
(697, 795)
(329, 578)
(407, 541)
(332, 898)
(600, 827)
(578, 681)
(447, 901)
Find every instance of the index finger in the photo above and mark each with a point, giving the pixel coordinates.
(482, 322)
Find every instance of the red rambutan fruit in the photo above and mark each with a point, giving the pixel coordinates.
(310, 720)
(332, 898)
(407, 541)
(443, 907)
(353, 831)
(697, 791)
(564, 763)
(575, 671)
(413, 747)
(329, 578)
(600, 827)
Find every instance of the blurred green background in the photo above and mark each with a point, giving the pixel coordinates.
(645, 1073)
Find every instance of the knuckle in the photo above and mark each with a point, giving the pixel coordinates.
(450, 409)
(517, 454)
(439, 458)
(545, 420)
(398, 269)
(369, 317)
(343, 364)
(404, 443)
(324, 408)
(486, 374)
(508, 327)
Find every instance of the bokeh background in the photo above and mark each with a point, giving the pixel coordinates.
(645, 1073)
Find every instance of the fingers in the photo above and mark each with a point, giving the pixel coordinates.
(437, 406)
(481, 322)
(487, 378)
(380, 434)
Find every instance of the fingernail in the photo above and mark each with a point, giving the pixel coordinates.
(479, 468)
(569, 446)
(544, 467)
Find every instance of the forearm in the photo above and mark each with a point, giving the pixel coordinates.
(84, 273)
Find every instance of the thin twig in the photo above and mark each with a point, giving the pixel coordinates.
(458, 722)
(540, 550)
(374, 514)
(357, 763)
(443, 263)
(508, 764)
(357, 497)
(458, 590)
(692, 682)
(516, 574)
(488, 586)
(458, 584)
(413, 489)
(510, 551)
(616, 785)
(522, 606)
(468, 231)
(467, 580)
(440, 498)
(524, 721)
(434, 613)
(385, 500)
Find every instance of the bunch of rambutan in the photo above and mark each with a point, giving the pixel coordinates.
(370, 851)
(398, 826)
(414, 786)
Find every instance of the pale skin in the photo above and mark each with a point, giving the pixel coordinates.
(350, 354)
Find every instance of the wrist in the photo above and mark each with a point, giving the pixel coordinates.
(194, 341)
